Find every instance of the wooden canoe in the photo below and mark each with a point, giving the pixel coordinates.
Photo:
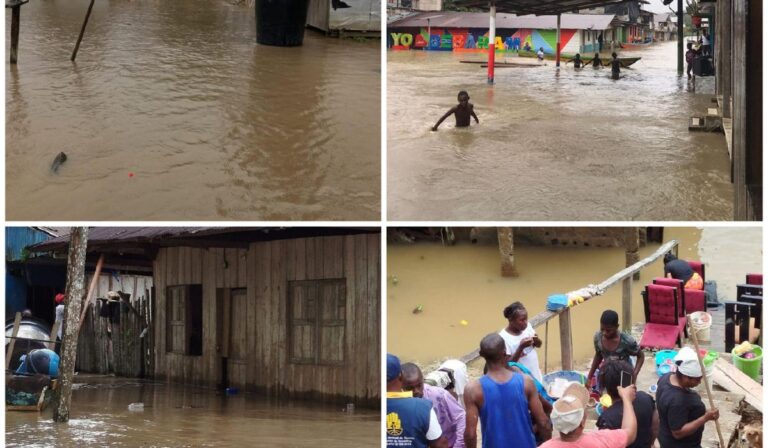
(626, 62)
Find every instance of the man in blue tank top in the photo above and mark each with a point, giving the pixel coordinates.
(411, 422)
(505, 402)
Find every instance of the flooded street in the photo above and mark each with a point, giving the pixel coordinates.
(173, 112)
(573, 145)
(176, 416)
(463, 283)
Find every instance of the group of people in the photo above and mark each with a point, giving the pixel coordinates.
(514, 409)
(702, 47)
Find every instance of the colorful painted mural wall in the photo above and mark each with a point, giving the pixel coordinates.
(469, 39)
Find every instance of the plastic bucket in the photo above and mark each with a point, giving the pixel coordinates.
(751, 367)
(281, 22)
(664, 363)
(708, 358)
(701, 322)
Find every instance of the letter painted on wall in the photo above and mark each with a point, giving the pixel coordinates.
(419, 41)
(499, 44)
(482, 42)
(459, 40)
(446, 41)
(395, 39)
(406, 40)
(434, 41)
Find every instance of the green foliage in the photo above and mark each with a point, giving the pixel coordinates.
(450, 5)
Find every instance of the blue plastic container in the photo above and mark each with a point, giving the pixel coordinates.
(556, 302)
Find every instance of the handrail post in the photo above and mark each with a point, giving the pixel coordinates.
(626, 304)
(566, 342)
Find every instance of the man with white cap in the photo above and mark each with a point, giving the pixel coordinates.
(569, 416)
(682, 414)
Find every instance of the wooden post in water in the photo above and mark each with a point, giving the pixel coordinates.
(507, 251)
(75, 288)
(566, 342)
(82, 31)
(15, 25)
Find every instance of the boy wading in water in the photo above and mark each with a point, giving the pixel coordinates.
(463, 111)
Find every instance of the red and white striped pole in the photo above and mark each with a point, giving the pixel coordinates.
(491, 43)
(557, 58)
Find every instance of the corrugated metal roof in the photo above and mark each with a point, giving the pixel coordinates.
(98, 235)
(539, 7)
(452, 19)
(105, 236)
(18, 238)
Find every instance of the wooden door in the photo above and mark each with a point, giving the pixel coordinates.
(238, 350)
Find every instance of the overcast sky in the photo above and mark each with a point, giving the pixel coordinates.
(658, 7)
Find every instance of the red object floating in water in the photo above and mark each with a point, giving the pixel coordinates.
(130, 174)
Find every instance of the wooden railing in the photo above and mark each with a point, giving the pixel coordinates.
(566, 341)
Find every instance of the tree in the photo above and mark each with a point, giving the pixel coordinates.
(78, 242)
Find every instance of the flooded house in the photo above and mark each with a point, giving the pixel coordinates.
(468, 31)
(288, 312)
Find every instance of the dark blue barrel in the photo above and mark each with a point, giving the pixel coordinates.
(281, 22)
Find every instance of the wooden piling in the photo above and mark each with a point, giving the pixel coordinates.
(507, 251)
(15, 26)
(82, 31)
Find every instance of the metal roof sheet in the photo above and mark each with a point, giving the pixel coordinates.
(105, 236)
(538, 7)
(452, 19)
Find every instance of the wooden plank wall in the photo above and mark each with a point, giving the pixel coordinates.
(122, 354)
(272, 265)
(265, 270)
(213, 268)
(318, 14)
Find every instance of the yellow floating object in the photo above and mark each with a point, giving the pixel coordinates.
(464, 323)
(742, 348)
(606, 401)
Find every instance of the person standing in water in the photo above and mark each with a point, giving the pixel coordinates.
(597, 62)
(463, 111)
(577, 62)
(615, 66)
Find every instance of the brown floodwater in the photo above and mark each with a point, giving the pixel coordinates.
(568, 145)
(462, 283)
(174, 416)
(173, 112)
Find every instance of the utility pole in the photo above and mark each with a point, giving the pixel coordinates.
(78, 242)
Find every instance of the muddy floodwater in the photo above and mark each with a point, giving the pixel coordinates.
(462, 283)
(176, 416)
(567, 145)
(173, 112)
